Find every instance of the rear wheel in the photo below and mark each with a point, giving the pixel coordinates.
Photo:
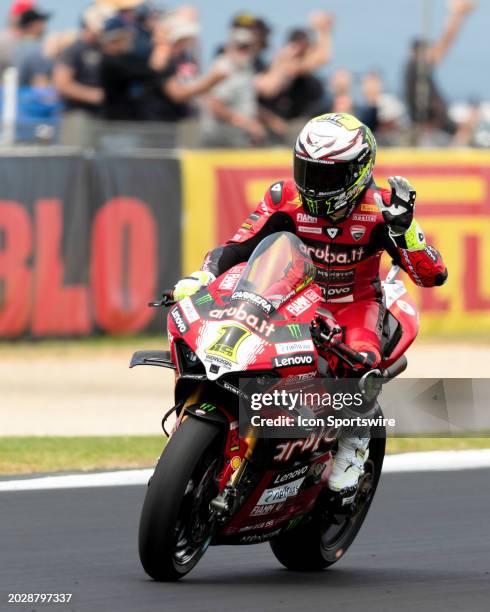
(175, 525)
(323, 538)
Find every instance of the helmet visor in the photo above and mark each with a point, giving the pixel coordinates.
(324, 178)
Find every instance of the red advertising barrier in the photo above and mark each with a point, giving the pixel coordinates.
(85, 243)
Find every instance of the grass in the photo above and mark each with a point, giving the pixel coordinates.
(25, 455)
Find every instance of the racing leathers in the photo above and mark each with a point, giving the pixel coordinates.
(346, 254)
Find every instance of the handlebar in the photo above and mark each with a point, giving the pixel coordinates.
(350, 356)
(166, 301)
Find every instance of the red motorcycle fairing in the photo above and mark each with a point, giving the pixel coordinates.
(279, 342)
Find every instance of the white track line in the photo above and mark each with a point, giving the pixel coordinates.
(405, 462)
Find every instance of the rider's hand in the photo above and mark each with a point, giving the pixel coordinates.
(326, 325)
(398, 215)
(192, 283)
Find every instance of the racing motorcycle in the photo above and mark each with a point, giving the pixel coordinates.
(213, 486)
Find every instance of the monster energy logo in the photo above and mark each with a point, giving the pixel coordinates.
(204, 298)
(312, 205)
(295, 330)
(208, 407)
(293, 522)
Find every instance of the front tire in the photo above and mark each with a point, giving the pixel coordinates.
(323, 538)
(175, 525)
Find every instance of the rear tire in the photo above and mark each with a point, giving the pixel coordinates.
(319, 542)
(175, 525)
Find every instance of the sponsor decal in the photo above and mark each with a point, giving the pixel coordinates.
(357, 232)
(309, 230)
(303, 302)
(324, 254)
(176, 315)
(312, 295)
(406, 307)
(304, 218)
(364, 218)
(259, 537)
(236, 462)
(188, 309)
(294, 330)
(292, 475)
(338, 291)
(247, 226)
(301, 377)
(263, 525)
(207, 297)
(370, 208)
(253, 298)
(238, 392)
(254, 216)
(301, 346)
(208, 407)
(336, 275)
(230, 281)
(299, 305)
(285, 450)
(286, 361)
(392, 291)
(261, 510)
(332, 232)
(294, 522)
(228, 341)
(218, 360)
(240, 313)
(280, 494)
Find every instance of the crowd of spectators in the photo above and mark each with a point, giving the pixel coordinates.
(132, 61)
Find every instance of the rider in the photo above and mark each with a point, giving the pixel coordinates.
(346, 222)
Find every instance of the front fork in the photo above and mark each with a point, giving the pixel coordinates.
(225, 504)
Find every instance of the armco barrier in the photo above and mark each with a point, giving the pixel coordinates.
(453, 205)
(86, 242)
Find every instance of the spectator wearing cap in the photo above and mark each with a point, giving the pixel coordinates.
(261, 32)
(231, 114)
(123, 73)
(77, 72)
(29, 59)
(10, 35)
(176, 82)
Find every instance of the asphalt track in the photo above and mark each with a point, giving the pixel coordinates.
(425, 546)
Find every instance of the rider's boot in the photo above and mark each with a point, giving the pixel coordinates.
(348, 466)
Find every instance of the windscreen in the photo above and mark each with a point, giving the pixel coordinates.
(278, 268)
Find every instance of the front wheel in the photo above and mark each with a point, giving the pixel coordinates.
(175, 525)
(323, 538)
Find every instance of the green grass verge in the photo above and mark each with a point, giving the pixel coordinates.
(24, 455)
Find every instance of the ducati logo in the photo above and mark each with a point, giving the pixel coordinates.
(357, 232)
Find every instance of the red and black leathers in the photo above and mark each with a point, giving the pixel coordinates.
(347, 256)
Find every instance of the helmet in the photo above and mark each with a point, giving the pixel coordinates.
(333, 164)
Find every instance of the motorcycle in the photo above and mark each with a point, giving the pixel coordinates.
(212, 486)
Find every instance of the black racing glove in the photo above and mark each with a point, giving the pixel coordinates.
(398, 215)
